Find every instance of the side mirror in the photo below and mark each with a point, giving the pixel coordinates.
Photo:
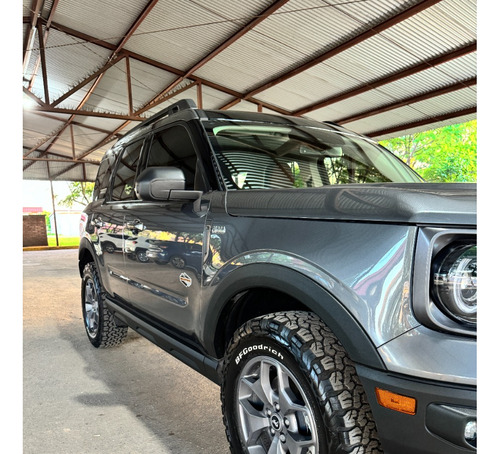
(163, 183)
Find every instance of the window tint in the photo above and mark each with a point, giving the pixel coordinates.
(104, 174)
(173, 147)
(275, 156)
(123, 188)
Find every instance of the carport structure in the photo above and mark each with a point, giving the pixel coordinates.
(93, 70)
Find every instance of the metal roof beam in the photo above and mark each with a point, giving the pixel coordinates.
(43, 62)
(88, 113)
(43, 41)
(460, 52)
(113, 59)
(64, 160)
(419, 7)
(88, 79)
(423, 122)
(243, 31)
(165, 67)
(414, 99)
(29, 39)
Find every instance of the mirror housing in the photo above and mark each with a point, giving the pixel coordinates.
(163, 184)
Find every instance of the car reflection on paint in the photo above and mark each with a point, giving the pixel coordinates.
(111, 242)
(180, 255)
(137, 247)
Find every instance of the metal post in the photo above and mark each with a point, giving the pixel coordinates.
(54, 210)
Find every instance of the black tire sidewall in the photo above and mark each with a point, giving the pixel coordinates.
(252, 347)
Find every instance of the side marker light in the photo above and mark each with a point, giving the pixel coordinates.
(397, 402)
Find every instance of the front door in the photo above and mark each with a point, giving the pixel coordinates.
(163, 260)
(164, 246)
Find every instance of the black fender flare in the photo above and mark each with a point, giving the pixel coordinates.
(291, 282)
(86, 246)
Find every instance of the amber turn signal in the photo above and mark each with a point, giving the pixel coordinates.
(396, 402)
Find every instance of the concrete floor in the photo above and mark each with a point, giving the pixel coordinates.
(134, 398)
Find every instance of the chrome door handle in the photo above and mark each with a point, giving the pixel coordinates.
(136, 225)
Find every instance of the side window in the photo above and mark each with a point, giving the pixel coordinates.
(123, 188)
(173, 147)
(104, 174)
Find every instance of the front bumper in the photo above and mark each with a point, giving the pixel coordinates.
(444, 414)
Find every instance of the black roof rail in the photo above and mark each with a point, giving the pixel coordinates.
(183, 104)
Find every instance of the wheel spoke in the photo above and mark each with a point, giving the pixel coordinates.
(276, 447)
(254, 422)
(299, 446)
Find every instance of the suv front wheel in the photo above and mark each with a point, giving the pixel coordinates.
(289, 387)
(100, 323)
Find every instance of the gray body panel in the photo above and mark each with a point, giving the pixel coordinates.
(361, 252)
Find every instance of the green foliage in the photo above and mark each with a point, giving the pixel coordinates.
(447, 154)
(80, 193)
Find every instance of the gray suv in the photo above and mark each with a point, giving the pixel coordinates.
(325, 287)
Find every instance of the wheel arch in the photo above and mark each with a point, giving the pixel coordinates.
(258, 289)
(86, 255)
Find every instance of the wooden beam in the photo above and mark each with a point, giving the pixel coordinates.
(460, 52)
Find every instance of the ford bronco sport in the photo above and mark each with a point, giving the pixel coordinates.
(325, 287)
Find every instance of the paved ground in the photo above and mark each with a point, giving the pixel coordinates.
(77, 399)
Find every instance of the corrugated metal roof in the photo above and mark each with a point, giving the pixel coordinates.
(382, 67)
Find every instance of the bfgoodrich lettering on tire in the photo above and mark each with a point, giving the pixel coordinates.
(100, 323)
(289, 387)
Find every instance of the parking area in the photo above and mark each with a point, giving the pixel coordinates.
(131, 399)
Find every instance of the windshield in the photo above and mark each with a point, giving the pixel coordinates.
(272, 156)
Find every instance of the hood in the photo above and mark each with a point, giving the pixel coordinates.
(411, 203)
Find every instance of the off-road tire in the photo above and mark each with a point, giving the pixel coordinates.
(100, 324)
(298, 345)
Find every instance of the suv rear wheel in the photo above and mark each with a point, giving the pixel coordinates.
(100, 323)
(289, 387)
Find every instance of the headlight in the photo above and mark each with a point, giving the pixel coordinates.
(455, 282)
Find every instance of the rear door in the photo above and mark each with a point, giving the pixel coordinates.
(109, 220)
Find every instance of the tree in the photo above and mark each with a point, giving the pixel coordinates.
(447, 154)
(80, 193)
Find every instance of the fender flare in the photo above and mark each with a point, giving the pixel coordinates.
(86, 246)
(300, 287)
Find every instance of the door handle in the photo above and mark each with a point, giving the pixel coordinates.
(136, 225)
(98, 222)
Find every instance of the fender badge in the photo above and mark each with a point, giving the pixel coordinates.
(219, 229)
(185, 279)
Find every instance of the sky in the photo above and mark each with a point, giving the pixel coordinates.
(37, 193)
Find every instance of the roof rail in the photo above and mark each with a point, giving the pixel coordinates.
(183, 104)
